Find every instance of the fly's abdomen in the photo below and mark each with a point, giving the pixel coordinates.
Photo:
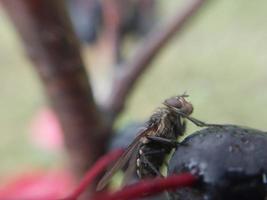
(150, 160)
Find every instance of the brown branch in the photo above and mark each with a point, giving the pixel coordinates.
(145, 54)
(52, 46)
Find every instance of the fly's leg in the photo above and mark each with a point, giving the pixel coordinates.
(171, 143)
(151, 166)
(143, 155)
(154, 152)
(167, 195)
(196, 121)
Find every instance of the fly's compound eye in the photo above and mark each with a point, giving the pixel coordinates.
(173, 102)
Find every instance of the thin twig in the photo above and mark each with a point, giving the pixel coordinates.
(145, 54)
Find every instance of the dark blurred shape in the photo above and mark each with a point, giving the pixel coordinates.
(127, 17)
(231, 162)
(137, 17)
(118, 18)
(86, 16)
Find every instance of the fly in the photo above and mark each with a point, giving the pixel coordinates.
(156, 140)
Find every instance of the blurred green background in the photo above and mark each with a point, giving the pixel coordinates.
(220, 60)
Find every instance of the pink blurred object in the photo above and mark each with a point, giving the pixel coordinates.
(46, 131)
(37, 186)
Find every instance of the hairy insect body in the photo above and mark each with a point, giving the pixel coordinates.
(151, 154)
(155, 140)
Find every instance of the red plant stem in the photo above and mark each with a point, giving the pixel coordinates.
(151, 187)
(93, 172)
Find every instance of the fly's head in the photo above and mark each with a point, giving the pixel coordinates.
(179, 104)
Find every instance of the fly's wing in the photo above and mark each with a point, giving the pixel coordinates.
(124, 158)
(128, 175)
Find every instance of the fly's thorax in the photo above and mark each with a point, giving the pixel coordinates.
(170, 123)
